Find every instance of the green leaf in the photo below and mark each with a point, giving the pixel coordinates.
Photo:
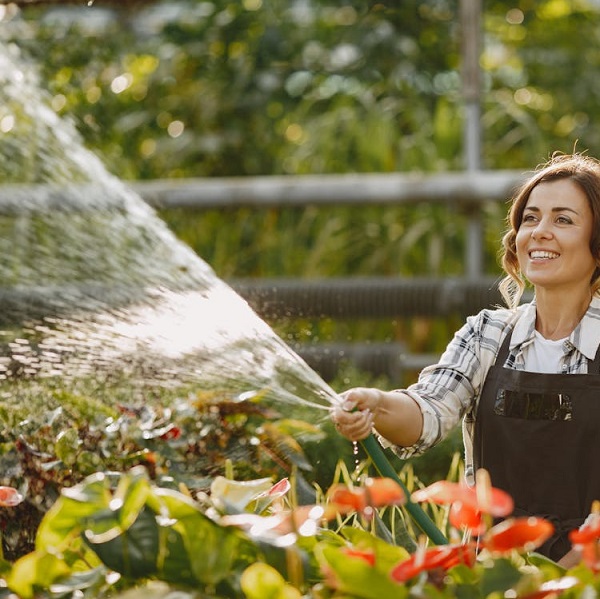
(212, 550)
(66, 445)
(499, 576)
(130, 497)
(237, 494)
(260, 581)
(35, 570)
(356, 577)
(387, 556)
(80, 581)
(134, 551)
(65, 519)
(463, 582)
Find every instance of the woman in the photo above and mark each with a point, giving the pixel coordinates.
(525, 380)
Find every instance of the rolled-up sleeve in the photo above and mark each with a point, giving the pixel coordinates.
(446, 391)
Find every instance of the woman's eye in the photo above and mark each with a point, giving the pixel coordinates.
(565, 220)
(528, 218)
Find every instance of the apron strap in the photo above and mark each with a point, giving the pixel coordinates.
(502, 354)
(594, 367)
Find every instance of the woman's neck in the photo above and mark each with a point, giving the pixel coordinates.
(559, 314)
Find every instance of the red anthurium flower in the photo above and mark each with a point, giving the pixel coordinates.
(465, 515)
(171, 433)
(468, 503)
(590, 555)
(376, 492)
(10, 497)
(442, 556)
(366, 555)
(274, 495)
(518, 533)
(441, 492)
(586, 534)
(586, 540)
(279, 489)
(500, 503)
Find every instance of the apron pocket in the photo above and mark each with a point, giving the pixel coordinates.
(533, 406)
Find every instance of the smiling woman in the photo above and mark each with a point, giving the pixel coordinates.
(525, 378)
(554, 253)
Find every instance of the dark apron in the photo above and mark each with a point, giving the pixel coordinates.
(538, 436)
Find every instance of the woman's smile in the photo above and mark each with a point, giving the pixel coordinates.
(542, 255)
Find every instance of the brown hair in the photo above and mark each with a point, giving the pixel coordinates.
(582, 170)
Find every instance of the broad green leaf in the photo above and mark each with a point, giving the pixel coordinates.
(35, 570)
(237, 494)
(260, 581)
(133, 552)
(356, 577)
(130, 496)
(80, 581)
(65, 519)
(171, 508)
(387, 555)
(464, 582)
(212, 550)
(66, 445)
(499, 576)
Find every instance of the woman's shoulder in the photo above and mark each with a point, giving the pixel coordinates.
(492, 323)
(500, 315)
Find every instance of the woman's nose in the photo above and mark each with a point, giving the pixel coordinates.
(541, 230)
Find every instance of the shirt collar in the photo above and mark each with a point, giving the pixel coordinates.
(585, 337)
(524, 330)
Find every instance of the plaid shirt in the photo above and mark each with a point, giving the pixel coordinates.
(449, 390)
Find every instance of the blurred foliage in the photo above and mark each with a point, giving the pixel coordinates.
(248, 88)
(183, 442)
(212, 88)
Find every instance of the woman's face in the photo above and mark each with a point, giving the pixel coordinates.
(553, 240)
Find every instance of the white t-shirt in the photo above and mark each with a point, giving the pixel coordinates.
(544, 355)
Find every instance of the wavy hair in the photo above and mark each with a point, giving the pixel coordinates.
(583, 171)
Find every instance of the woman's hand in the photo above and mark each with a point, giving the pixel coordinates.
(355, 415)
(394, 414)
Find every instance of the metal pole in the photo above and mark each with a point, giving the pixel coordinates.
(470, 20)
(470, 24)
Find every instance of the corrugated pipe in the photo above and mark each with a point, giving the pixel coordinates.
(368, 297)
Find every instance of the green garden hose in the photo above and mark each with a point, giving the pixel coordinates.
(381, 463)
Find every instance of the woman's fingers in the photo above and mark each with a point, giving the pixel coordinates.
(353, 425)
(361, 398)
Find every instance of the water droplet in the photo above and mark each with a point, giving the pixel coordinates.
(355, 454)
